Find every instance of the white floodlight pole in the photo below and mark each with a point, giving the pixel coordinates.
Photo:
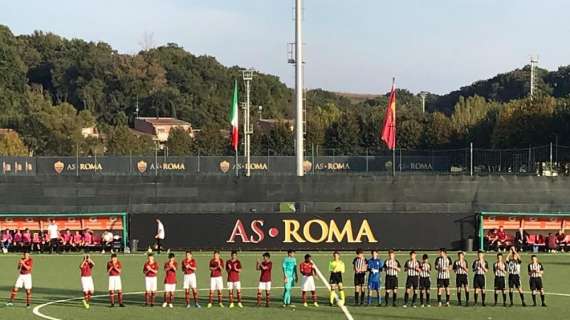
(299, 151)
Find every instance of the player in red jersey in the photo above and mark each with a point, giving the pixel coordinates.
(24, 280)
(216, 280)
(189, 268)
(114, 268)
(265, 267)
(308, 271)
(86, 268)
(169, 281)
(233, 267)
(150, 271)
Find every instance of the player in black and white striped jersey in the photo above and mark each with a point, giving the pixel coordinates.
(392, 267)
(461, 268)
(500, 270)
(480, 267)
(514, 268)
(412, 268)
(425, 281)
(535, 272)
(443, 265)
(359, 266)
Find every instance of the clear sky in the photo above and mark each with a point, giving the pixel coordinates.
(351, 46)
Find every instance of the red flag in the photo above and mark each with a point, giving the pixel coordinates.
(388, 133)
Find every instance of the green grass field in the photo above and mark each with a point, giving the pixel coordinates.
(56, 278)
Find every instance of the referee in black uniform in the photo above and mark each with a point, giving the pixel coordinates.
(392, 267)
(461, 268)
(480, 267)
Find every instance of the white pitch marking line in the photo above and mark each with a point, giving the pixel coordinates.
(36, 311)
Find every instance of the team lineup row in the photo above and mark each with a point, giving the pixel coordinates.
(367, 279)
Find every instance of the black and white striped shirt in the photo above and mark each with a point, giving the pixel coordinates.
(390, 267)
(460, 267)
(480, 267)
(443, 265)
(514, 266)
(359, 264)
(425, 270)
(412, 267)
(535, 270)
(500, 269)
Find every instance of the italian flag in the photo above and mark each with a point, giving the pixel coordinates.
(234, 118)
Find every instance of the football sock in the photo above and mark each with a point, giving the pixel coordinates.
(447, 297)
(239, 296)
(467, 297)
(459, 297)
(427, 298)
(476, 297)
(13, 295)
(534, 298)
(331, 297)
(187, 297)
(231, 296)
(219, 296)
(386, 297)
(362, 297)
(195, 295)
(152, 295)
(120, 297)
(369, 298)
(394, 297)
(314, 295)
(522, 297)
(356, 297)
(267, 297)
(438, 298)
(342, 295)
(145, 297)
(211, 297)
(406, 297)
(511, 297)
(496, 295)
(542, 298)
(258, 296)
(29, 298)
(112, 297)
(483, 295)
(165, 297)
(304, 296)
(504, 298)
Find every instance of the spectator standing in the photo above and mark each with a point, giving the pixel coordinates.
(160, 235)
(53, 233)
(6, 241)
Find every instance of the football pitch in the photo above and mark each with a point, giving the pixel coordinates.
(57, 292)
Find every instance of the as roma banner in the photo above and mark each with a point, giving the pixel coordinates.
(278, 231)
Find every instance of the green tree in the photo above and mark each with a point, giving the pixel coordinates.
(12, 145)
(180, 143)
(123, 141)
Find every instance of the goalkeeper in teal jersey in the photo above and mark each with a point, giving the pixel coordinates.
(290, 277)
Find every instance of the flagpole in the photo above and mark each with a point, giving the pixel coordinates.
(236, 164)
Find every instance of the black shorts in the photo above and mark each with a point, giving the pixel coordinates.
(359, 279)
(443, 283)
(514, 281)
(535, 284)
(499, 283)
(425, 283)
(479, 281)
(391, 282)
(461, 281)
(336, 278)
(412, 282)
